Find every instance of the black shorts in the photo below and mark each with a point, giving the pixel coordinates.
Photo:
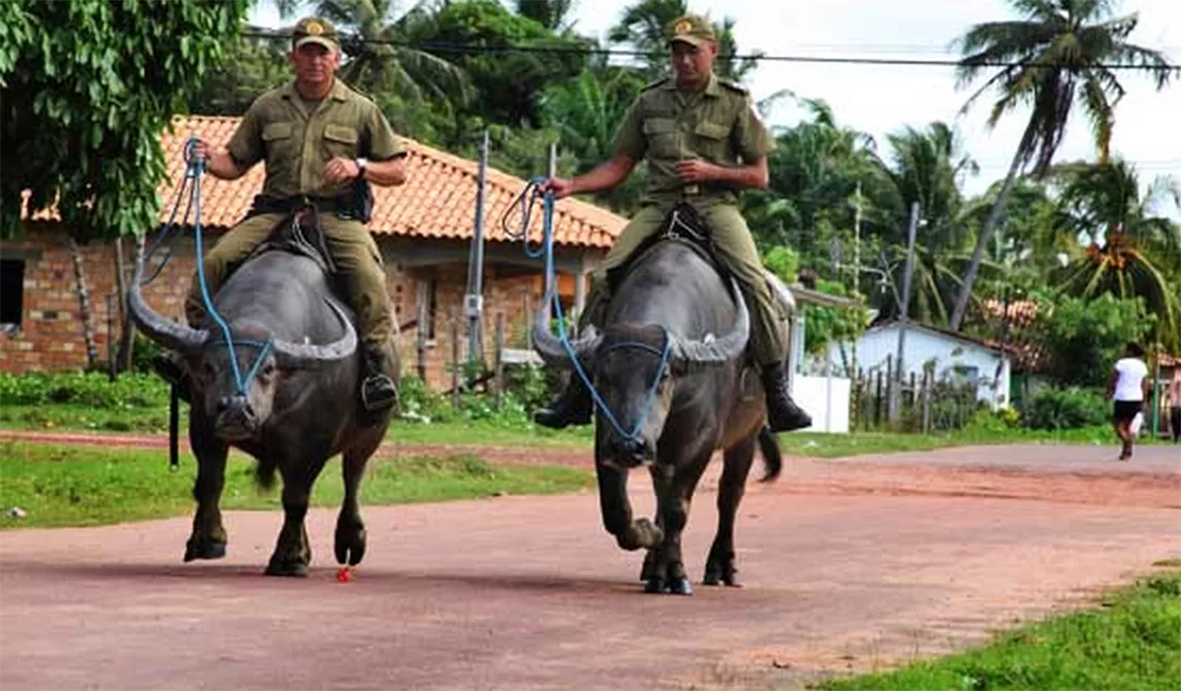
(1125, 411)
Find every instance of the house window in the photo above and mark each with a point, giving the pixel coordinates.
(965, 374)
(12, 293)
(428, 307)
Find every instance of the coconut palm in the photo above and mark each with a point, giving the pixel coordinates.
(1059, 54)
(644, 27)
(1130, 250)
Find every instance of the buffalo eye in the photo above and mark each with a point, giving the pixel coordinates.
(268, 370)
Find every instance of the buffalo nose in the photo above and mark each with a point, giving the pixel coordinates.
(237, 403)
(632, 449)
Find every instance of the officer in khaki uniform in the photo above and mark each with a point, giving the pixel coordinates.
(704, 144)
(318, 140)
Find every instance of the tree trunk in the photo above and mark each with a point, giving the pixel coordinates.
(84, 303)
(126, 326)
(994, 217)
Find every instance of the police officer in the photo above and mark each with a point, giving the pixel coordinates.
(704, 144)
(320, 142)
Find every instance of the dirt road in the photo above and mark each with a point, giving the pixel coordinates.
(849, 564)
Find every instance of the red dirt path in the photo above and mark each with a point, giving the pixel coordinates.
(850, 564)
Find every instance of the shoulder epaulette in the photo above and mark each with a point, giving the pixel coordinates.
(734, 86)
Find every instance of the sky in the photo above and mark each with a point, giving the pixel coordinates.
(879, 100)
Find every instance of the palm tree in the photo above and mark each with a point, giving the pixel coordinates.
(378, 58)
(1130, 251)
(1060, 54)
(644, 27)
(552, 14)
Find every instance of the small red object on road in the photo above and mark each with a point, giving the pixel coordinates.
(345, 574)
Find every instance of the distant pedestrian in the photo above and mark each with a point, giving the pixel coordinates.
(1173, 393)
(1128, 389)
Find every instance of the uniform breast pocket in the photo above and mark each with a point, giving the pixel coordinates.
(710, 140)
(340, 140)
(280, 146)
(662, 138)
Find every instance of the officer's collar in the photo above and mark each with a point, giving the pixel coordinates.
(339, 92)
(712, 88)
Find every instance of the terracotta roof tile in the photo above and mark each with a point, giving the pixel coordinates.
(437, 201)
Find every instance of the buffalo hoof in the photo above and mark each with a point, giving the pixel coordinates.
(350, 546)
(675, 586)
(716, 575)
(204, 548)
(294, 569)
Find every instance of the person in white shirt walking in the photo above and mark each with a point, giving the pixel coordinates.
(1128, 389)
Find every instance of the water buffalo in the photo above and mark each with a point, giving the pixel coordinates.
(674, 386)
(298, 410)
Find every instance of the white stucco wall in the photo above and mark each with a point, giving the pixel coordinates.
(951, 355)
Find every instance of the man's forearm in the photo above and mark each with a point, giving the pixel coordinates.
(605, 176)
(221, 165)
(386, 173)
(746, 177)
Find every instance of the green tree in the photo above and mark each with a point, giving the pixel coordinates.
(1058, 55)
(381, 57)
(1131, 251)
(644, 28)
(552, 14)
(252, 66)
(1081, 338)
(87, 88)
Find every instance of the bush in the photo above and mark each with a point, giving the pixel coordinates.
(83, 388)
(1069, 408)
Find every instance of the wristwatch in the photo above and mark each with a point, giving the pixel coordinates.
(361, 165)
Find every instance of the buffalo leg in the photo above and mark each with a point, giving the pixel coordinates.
(208, 539)
(674, 493)
(350, 529)
(630, 533)
(292, 552)
(719, 567)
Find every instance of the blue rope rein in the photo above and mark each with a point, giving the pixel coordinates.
(528, 200)
(194, 169)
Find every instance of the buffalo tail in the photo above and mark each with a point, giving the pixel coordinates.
(772, 455)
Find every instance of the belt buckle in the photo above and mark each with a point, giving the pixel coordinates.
(692, 189)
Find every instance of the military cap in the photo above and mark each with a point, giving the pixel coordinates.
(316, 30)
(692, 29)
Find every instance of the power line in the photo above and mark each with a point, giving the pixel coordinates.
(428, 46)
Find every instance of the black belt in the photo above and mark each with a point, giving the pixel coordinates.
(264, 204)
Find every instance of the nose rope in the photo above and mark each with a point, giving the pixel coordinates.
(195, 167)
(527, 200)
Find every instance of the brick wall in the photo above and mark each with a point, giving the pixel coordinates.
(50, 337)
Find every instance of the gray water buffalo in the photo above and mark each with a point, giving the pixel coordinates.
(670, 366)
(298, 410)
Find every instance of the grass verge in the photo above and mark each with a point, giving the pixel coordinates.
(86, 486)
(1132, 642)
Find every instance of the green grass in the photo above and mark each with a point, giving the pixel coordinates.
(86, 486)
(1132, 642)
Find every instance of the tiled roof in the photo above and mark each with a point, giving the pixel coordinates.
(437, 201)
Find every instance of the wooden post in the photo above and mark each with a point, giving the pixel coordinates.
(856, 412)
(891, 389)
(914, 399)
(499, 400)
(455, 363)
(420, 342)
(112, 366)
(877, 403)
(528, 319)
(927, 383)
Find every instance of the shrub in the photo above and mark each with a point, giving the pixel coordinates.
(1069, 408)
(83, 388)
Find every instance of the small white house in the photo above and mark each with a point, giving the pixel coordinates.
(956, 357)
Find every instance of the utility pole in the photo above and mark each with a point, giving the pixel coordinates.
(474, 300)
(856, 272)
(549, 283)
(904, 309)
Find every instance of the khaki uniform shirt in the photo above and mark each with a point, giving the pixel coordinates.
(297, 138)
(715, 124)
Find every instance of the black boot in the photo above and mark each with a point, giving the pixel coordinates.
(574, 407)
(783, 415)
(171, 367)
(378, 390)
